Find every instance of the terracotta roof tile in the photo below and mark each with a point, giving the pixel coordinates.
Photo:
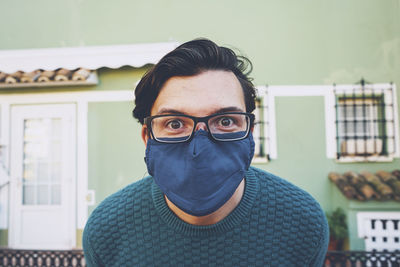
(38, 77)
(365, 186)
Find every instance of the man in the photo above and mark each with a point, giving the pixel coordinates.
(203, 204)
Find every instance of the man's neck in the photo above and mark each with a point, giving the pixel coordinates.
(214, 217)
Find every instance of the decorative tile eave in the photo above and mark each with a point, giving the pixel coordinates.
(381, 186)
(88, 79)
(90, 57)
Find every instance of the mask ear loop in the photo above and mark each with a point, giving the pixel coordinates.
(144, 174)
(252, 148)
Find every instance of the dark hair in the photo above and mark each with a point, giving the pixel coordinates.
(189, 59)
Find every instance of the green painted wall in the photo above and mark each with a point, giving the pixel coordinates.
(116, 150)
(290, 43)
(79, 234)
(3, 237)
(301, 145)
(123, 79)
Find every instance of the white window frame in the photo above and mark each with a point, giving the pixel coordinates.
(261, 129)
(298, 90)
(372, 89)
(327, 91)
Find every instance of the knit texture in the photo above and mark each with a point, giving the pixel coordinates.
(275, 224)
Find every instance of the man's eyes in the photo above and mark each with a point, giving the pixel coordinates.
(219, 122)
(225, 121)
(174, 124)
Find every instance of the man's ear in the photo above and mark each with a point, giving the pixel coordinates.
(145, 134)
(252, 128)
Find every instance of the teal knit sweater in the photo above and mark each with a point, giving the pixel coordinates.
(275, 224)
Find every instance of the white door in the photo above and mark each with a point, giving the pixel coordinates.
(43, 147)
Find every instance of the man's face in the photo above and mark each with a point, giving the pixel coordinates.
(201, 95)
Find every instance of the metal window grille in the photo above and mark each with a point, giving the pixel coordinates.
(22, 258)
(38, 258)
(261, 129)
(365, 121)
(362, 258)
(380, 230)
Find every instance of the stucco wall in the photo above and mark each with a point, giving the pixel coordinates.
(290, 43)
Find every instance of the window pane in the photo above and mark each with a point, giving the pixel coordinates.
(358, 128)
(29, 172)
(358, 111)
(56, 150)
(350, 128)
(56, 128)
(362, 111)
(56, 171)
(56, 194)
(42, 161)
(33, 151)
(28, 195)
(346, 111)
(43, 172)
(33, 130)
(43, 194)
(363, 128)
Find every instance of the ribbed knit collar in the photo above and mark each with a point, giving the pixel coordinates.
(239, 214)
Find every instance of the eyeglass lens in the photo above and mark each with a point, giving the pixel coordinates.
(221, 127)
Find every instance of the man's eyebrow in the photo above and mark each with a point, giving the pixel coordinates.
(221, 110)
(228, 109)
(170, 111)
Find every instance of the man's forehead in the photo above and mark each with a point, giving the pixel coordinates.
(206, 76)
(177, 110)
(206, 93)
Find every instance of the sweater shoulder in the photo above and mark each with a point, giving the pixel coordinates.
(280, 189)
(115, 213)
(293, 207)
(124, 199)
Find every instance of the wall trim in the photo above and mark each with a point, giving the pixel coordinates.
(82, 162)
(90, 57)
(52, 97)
(4, 157)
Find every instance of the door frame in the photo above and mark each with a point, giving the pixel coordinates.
(15, 168)
(82, 100)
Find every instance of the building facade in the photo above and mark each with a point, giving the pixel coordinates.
(327, 75)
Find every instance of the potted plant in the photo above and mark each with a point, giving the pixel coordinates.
(337, 229)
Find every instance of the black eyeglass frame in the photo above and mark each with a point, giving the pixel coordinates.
(196, 120)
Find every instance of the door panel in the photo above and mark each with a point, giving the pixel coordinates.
(43, 174)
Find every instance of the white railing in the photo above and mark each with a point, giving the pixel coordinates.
(381, 230)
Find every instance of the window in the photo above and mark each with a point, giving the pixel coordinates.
(365, 127)
(260, 132)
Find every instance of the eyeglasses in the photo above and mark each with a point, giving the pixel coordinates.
(177, 128)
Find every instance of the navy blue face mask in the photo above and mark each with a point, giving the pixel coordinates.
(201, 175)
